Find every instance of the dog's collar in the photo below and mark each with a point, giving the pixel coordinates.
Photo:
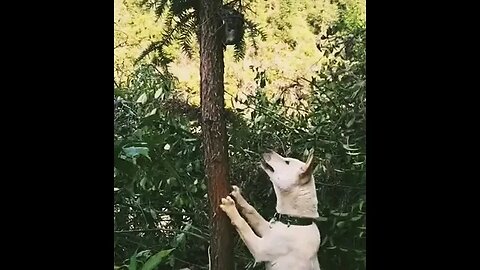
(289, 220)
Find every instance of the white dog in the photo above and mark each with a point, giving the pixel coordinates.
(290, 241)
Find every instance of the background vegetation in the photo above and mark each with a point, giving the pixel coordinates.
(304, 87)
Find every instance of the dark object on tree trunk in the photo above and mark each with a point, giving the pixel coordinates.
(214, 133)
(233, 25)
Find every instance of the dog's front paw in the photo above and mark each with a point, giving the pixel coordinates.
(228, 205)
(236, 192)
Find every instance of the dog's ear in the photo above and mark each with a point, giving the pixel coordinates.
(307, 169)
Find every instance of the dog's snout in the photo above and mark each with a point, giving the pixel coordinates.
(267, 156)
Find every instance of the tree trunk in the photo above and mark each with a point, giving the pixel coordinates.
(214, 133)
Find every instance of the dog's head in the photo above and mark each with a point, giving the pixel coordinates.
(286, 173)
(293, 183)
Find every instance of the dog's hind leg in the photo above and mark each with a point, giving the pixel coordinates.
(254, 243)
(256, 221)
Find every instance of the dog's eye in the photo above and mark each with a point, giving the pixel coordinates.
(288, 162)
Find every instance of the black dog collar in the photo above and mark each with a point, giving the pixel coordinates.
(289, 220)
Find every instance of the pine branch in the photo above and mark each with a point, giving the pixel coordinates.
(160, 7)
(186, 44)
(157, 45)
(255, 30)
(239, 50)
(186, 32)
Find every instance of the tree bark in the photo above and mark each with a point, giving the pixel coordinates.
(215, 147)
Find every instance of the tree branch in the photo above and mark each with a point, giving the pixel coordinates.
(340, 186)
(162, 229)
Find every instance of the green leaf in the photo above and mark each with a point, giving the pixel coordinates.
(356, 218)
(187, 227)
(258, 119)
(133, 262)
(143, 182)
(144, 253)
(347, 147)
(339, 214)
(158, 92)
(324, 240)
(156, 259)
(142, 99)
(350, 123)
(320, 218)
(354, 95)
(160, 184)
(135, 151)
(179, 239)
(152, 112)
(153, 213)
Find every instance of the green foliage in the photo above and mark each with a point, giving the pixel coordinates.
(182, 24)
(160, 207)
(280, 38)
(154, 186)
(148, 261)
